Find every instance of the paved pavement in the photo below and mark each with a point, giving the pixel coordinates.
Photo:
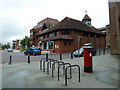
(24, 75)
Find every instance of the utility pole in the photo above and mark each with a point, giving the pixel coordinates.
(78, 44)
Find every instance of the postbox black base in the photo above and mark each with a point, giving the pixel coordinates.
(88, 69)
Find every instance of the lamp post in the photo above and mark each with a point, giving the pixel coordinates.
(78, 44)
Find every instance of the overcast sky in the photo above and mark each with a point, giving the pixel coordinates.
(19, 16)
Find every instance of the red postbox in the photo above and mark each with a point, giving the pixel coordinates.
(88, 59)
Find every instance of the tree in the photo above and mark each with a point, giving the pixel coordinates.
(25, 43)
(6, 46)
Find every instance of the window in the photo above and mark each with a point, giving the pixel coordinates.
(50, 44)
(31, 33)
(34, 33)
(98, 36)
(65, 42)
(37, 38)
(92, 34)
(44, 27)
(40, 25)
(44, 36)
(40, 31)
(41, 37)
(51, 35)
(85, 34)
(45, 45)
(69, 43)
(88, 22)
(65, 32)
(57, 33)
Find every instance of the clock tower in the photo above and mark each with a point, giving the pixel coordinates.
(86, 19)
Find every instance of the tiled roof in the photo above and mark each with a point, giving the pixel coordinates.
(86, 17)
(69, 23)
(58, 37)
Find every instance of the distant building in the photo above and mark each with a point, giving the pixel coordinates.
(69, 35)
(106, 30)
(114, 16)
(16, 44)
(42, 26)
(0, 46)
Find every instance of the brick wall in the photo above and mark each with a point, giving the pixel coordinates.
(64, 47)
(114, 28)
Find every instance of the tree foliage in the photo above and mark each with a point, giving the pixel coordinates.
(6, 46)
(25, 43)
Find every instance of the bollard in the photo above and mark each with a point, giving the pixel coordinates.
(28, 58)
(99, 51)
(60, 56)
(47, 56)
(10, 62)
(71, 55)
(103, 50)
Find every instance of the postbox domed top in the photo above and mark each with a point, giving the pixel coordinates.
(88, 47)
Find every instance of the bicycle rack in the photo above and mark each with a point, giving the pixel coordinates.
(41, 63)
(44, 63)
(53, 65)
(64, 69)
(60, 63)
(67, 69)
(52, 60)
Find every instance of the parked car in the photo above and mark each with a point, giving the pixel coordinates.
(33, 51)
(10, 50)
(80, 52)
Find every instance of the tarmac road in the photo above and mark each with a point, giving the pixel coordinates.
(18, 57)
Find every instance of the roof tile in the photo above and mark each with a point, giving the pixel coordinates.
(69, 23)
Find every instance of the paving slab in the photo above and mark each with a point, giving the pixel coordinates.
(24, 75)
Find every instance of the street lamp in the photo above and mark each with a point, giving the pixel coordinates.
(79, 44)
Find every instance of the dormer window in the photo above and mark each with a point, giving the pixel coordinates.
(44, 27)
(31, 33)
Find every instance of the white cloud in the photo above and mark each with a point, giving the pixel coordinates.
(22, 15)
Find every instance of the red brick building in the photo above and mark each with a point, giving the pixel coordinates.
(114, 16)
(106, 30)
(69, 34)
(44, 24)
